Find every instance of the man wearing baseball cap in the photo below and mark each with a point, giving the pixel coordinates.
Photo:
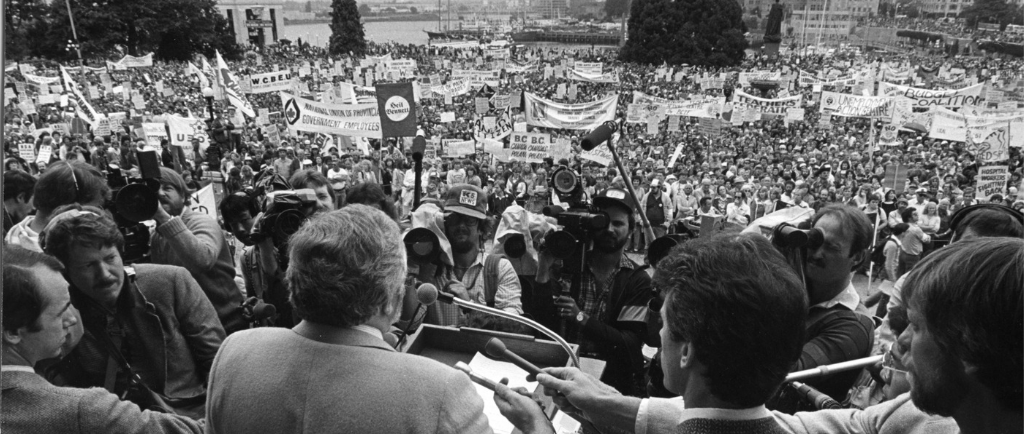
(476, 276)
(607, 315)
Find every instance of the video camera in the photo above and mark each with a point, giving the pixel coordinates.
(579, 222)
(286, 211)
(133, 201)
(794, 242)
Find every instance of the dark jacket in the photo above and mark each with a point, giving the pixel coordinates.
(171, 333)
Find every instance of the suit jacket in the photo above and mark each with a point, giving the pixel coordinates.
(272, 380)
(32, 405)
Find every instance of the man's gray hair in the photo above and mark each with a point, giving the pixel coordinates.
(346, 266)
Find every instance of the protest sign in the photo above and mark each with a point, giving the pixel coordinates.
(989, 142)
(270, 81)
(447, 117)
(991, 181)
(482, 105)
(205, 201)
(590, 68)
(529, 147)
(27, 151)
(587, 116)
(184, 130)
(857, 106)
(795, 114)
(764, 105)
(889, 135)
(45, 153)
(502, 127)
(459, 148)
(970, 95)
(302, 114)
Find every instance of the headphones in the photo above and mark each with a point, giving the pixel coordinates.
(958, 217)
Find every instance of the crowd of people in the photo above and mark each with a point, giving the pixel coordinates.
(159, 323)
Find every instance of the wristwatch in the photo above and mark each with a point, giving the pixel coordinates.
(581, 317)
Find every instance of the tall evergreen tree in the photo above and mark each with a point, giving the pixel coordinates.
(346, 30)
(695, 32)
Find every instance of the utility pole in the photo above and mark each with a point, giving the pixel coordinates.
(78, 48)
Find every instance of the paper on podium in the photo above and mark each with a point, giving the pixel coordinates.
(496, 370)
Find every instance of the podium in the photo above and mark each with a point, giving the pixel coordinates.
(449, 345)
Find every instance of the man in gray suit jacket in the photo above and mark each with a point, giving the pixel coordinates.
(36, 322)
(333, 372)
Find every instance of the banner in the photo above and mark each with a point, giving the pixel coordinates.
(593, 78)
(587, 116)
(808, 79)
(452, 88)
(503, 126)
(183, 130)
(231, 89)
(306, 115)
(397, 109)
(474, 75)
(990, 142)
(529, 147)
(950, 125)
(83, 109)
(765, 106)
(589, 68)
(991, 181)
(970, 95)
(747, 77)
(40, 79)
(401, 64)
(889, 136)
(857, 106)
(271, 81)
(129, 61)
(460, 148)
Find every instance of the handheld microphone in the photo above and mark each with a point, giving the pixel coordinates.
(426, 295)
(496, 348)
(599, 135)
(821, 401)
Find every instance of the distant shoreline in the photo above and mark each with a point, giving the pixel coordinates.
(377, 18)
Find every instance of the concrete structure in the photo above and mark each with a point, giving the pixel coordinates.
(831, 19)
(254, 22)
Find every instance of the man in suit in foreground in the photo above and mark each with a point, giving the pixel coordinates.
(333, 372)
(36, 322)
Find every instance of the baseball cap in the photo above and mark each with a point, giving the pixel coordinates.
(613, 197)
(467, 199)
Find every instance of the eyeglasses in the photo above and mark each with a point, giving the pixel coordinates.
(888, 369)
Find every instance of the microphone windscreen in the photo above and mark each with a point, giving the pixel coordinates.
(495, 348)
(426, 294)
(596, 137)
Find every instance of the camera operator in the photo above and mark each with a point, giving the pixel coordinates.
(466, 226)
(37, 321)
(155, 316)
(608, 317)
(835, 331)
(196, 242)
(317, 182)
(61, 184)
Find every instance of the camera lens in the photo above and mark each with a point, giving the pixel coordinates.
(561, 244)
(515, 246)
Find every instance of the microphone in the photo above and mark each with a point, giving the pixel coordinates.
(599, 135)
(821, 401)
(426, 295)
(496, 348)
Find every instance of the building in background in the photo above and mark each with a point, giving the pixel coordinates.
(551, 8)
(833, 20)
(254, 23)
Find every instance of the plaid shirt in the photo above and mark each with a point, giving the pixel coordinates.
(507, 296)
(593, 301)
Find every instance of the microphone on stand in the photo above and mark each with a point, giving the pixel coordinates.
(496, 348)
(599, 135)
(426, 295)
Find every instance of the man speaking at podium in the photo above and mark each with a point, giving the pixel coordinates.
(334, 372)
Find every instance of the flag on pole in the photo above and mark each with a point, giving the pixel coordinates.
(83, 109)
(397, 109)
(203, 81)
(231, 89)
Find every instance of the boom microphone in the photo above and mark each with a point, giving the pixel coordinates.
(599, 135)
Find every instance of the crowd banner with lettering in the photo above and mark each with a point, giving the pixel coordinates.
(271, 81)
(890, 73)
(231, 88)
(503, 126)
(601, 154)
(397, 108)
(991, 181)
(452, 88)
(970, 95)
(857, 106)
(766, 106)
(474, 75)
(990, 142)
(129, 61)
(593, 78)
(529, 147)
(183, 130)
(808, 79)
(747, 77)
(589, 68)
(889, 136)
(949, 125)
(587, 116)
(315, 117)
(401, 64)
(40, 79)
(460, 148)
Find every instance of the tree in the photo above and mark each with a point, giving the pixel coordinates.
(413, 10)
(990, 11)
(347, 32)
(364, 9)
(172, 29)
(309, 6)
(615, 8)
(695, 32)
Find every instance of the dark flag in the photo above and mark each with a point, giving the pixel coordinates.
(397, 109)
